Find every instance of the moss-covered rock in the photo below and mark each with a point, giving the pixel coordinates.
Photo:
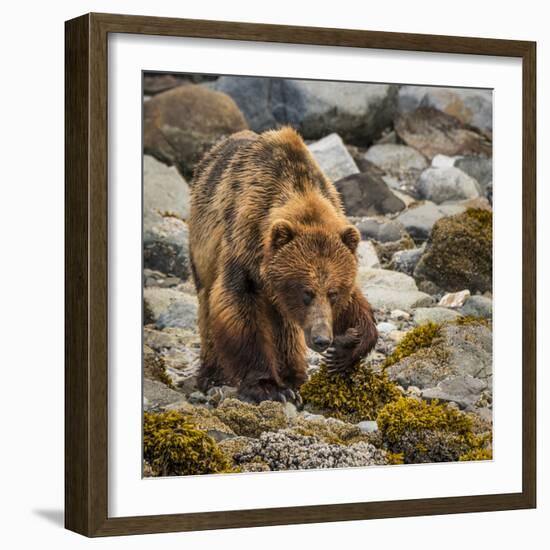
(416, 339)
(250, 420)
(459, 254)
(477, 454)
(173, 446)
(154, 367)
(454, 359)
(354, 396)
(329, 430)
(426, 432)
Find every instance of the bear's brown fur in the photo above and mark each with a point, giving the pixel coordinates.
(274, 263)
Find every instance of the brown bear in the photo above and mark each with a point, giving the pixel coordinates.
(274, 263)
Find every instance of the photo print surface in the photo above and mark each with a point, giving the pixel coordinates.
(318, 268)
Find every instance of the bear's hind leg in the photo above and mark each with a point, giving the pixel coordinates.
(210, 371)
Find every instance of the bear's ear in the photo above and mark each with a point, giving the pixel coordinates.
(351, 237)
(282, 232)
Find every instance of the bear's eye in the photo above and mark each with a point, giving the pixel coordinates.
(308, 297)
(332, 296)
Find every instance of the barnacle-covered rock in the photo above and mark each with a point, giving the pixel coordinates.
(426, 432)
(285, 450)
(250, 420)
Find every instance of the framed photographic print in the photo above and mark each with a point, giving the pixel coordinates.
(300, 275)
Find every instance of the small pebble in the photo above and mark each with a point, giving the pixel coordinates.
(385, 327)
(400, 315)
(368, 426)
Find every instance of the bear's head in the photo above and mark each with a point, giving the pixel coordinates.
(310, 274)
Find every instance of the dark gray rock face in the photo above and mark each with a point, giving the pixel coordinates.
(165, 246)
(367, 194)
(358, 113)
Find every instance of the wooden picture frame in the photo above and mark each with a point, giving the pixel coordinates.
(86, 282)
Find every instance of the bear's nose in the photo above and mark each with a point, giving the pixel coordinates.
(321, 343)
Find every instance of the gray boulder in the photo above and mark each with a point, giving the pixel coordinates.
(387, 289)
(358, 112)
(164, 190)
(367, 194)
(405, 260)
(380, 229)
(478, 306)
(471, 106)
(165, 245)
(478, 168)
(333, 157)
(447, 184)
(434, 132)
(424, 315)
(458, 352)
(166, 307)
(419, 219)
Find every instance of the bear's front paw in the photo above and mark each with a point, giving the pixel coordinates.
(269, 391)
(342, 354)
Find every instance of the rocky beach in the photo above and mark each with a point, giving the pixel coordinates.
(413, 166)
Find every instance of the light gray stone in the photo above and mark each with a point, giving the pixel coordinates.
(366, 253)
(419, 220)
(434, 314)
(478, 306)
(380, 229)
(333, 157)
(164, 190)
(157, 395)
(386, 327)
(387, 289)
(447, 184)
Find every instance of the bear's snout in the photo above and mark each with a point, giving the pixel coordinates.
(320, 337)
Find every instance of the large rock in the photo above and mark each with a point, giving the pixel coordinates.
(457, 366)
(479, 168)
(333, 157)
(380, 229)
(434, 314)
(478, 306)
(157, 395)
(366, 253)
(459, 254)
(180, 125)
(419, 219)
(256, 97)
(447, 184)
(387, 289)
(432, 132)
(473, 107)
(358, 112)
(405, 260)
(401, 164)
(367, 194)
(164, 190)
(167, 307)
(165, 245)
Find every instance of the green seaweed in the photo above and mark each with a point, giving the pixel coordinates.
(427, 432)
(416, 339)
(354, 396)
(173, 446)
